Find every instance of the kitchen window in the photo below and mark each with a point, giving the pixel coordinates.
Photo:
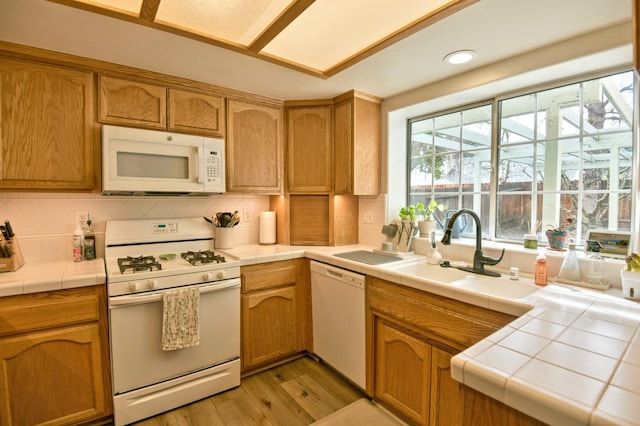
(561, 152)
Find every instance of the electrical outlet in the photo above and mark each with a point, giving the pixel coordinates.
(81, 218)
(246, 215)
(368, 216)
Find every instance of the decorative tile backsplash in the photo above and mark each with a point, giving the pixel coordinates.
(45, 222)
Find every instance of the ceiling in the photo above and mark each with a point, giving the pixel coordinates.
(305, 35)
(396, 56)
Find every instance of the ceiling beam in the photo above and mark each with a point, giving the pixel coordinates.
(283, 20)
(149, 9)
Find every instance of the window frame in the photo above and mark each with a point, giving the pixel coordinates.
(494, 102)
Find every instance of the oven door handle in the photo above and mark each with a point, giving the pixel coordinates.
(156, 296)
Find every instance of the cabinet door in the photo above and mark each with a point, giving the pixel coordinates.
(402, 372)
(53, 376)
(309, 145)
(132, 103)
(198, 113)
(447, 395)
(270, 328)
(255, 148)
(356, 146)
(46, 138)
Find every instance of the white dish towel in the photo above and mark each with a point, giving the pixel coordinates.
(180, 318)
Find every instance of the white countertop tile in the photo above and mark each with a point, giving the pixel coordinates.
(632, 355)
(593, 342)
(525, 343)
(542, 328)
(617, 407)
(587, 363)
(561, 381)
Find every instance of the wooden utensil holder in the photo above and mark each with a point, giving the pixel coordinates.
(13, 263)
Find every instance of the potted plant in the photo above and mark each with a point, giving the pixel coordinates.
(406, 229)
(557, 236)
(630, 277)
(427, 224)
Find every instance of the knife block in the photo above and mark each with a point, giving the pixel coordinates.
(13, 263)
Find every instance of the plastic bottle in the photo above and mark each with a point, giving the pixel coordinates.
(78, 243)
(89, 242)
(541, 269)
(570, 269)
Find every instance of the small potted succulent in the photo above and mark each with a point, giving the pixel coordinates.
(558, 235)
(427, 224)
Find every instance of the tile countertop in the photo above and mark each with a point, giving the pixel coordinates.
(35, 277)
(571, 358)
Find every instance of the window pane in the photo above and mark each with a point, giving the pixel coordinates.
(558, 112)
(517, 119)
(476, 170)
(514, 213)
(583, 158)
(608, 103)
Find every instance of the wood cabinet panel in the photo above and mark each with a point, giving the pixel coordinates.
(309, 219)
(53, 377)
(54, 357)
(409, 343)
(357, 145)
(255, 148)
(309, 149)
(132, 103)
(194, 112)
(269, 326)
(268, 275)
(46, 133)
(402, 367)
(447, 395)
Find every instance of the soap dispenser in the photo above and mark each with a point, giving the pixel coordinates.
(433, 256)
(570, 269)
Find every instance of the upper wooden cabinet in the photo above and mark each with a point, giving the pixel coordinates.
(139, 104)
(356, 144)
(195, 112)
(309, 149)
(46, 127)
(132, 103)
(255, 148)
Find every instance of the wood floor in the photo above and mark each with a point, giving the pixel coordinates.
(299, 392)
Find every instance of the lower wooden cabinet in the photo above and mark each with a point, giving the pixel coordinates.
(276, 314)
(402, 371)
(412, 336)
(54, 358)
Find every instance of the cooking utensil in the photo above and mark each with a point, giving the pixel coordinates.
(7, 225)
(235, 219)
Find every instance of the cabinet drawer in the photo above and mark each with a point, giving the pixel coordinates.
(50, 309)
(267, 275)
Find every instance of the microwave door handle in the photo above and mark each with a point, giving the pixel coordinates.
(199, 165)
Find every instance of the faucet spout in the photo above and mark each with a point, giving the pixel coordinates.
(479, 259)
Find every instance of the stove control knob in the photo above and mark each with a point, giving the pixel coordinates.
(221, 274)
(207, 276)
(134, 286)
(152, 284)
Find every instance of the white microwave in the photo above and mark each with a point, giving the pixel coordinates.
(151, 162)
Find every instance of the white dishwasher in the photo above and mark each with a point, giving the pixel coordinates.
(338, 306)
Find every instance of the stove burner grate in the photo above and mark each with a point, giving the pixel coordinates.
(137, 264)
(202, 257)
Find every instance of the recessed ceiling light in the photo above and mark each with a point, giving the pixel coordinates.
(460, 57)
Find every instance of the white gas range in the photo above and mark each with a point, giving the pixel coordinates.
(145, 260)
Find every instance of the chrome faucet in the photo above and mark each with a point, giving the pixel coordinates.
(479, 260)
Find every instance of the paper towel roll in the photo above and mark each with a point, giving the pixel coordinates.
(267, 227)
